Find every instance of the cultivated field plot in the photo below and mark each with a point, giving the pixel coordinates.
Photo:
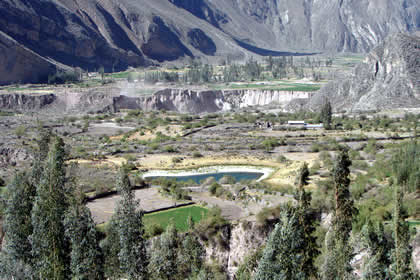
(178, 216)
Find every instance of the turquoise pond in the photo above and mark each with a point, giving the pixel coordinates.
(238, 176)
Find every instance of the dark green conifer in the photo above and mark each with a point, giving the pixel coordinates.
(379, 246)
(18, 226)
(190, 256)
(339, 251)
(111, 247)
(326, 115)
(401, 255)
(282, 256)
(86, 259)
(128, 220)
(307, 220)
(50, 248)
(163, 260)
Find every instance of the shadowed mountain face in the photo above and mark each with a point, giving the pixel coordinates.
(387, 79)
(121, 33)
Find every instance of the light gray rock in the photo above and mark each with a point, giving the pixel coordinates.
(387, 79)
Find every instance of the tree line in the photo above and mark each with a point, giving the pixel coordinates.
(50, 232)
(291, 249)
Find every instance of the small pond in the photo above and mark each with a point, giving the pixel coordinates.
(197, 178)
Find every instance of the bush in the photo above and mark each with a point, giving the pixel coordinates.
(282, 159)
(170, 149)
(227, 179)
(197, 155)
(153, 230)
(208, 181)
(177, 159)
(315, 148)
(270, 143)
(212, 226)
(315, 168)
(20, 131)
(268, 214)
(172, 188)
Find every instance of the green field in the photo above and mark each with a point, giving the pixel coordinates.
(178, 216)
(281, 86)
(414, 223)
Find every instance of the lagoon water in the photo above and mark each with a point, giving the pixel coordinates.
(239, 176)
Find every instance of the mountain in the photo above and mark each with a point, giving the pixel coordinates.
(121, 33)
(389, 78)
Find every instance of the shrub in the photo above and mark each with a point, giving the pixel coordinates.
(282, 159)
(212, 226)
(268, 214)
(20, 131)
(177, 159)
(227, 179)
(153, 230)
(315, 148)
(315, 168)
(197, 155)
(170, 149)
(214, 187)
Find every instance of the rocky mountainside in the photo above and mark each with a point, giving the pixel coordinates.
(389, 78)
(121, 33)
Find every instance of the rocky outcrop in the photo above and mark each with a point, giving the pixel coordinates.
(387, 79)
(13, 156)
(234, 243)
(25, 102)
(178, 100)
(196, 102)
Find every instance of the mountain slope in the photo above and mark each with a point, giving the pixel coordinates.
(387, 79)
(309, 25)
(121, 33)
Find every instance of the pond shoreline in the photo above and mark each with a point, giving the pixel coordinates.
(266, 171)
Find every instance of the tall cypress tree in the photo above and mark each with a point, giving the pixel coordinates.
(129, 225)
(163, 260)
(50, 248)
(17, 257)
(40, 155)
(326, 114)
(307, 220)
(190, 256)
(375, 240)
(282, 256)
(86, 259)
(401, 255)
(111, 248)
(17, 225)
(337, 262)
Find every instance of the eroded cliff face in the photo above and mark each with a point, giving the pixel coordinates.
(387, 79)
(178, 100)
(25, 102)
(234, 243)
